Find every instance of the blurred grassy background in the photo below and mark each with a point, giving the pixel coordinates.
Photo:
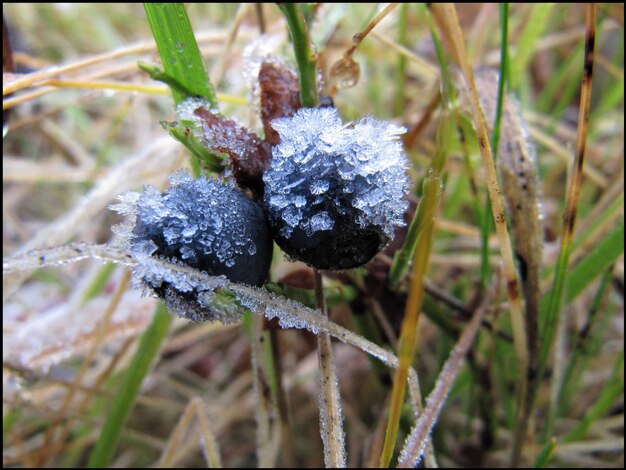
(60, 159)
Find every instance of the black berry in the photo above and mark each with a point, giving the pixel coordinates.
(205, 224)
(334, 193)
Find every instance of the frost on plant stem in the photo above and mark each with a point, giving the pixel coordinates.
(335, 190)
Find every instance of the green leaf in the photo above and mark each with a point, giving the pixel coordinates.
(209, 160)
(182, 62)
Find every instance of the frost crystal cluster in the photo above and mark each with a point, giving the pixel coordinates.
(200, 223)
(335, 193)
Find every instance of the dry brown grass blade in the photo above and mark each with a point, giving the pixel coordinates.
(195, 409)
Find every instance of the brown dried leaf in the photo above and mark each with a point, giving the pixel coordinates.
(280, 96)
(249, 155)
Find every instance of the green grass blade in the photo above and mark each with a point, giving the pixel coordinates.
(590, 267)
(545, 454)
(398, 98)
(583, 350)
(179, 51)
(525, 50)
(149, 347)
(596, 262)
(612, 390)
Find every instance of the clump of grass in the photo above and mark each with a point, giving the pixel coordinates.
(246, 395)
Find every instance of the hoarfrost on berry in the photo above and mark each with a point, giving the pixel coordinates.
(328, 176)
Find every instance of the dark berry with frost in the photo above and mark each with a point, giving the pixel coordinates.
(335, 193)
(202, 223)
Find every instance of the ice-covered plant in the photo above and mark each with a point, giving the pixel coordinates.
(202, 223)
(334, 192)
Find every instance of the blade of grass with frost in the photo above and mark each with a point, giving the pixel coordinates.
(418, 438)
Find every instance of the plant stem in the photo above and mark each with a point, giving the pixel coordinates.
(305, 55)
(331, 418)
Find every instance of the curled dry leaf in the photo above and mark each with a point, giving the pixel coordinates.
(280, 96)
(249, 155)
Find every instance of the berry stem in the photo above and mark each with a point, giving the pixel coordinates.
(305, 56)
(331, 419)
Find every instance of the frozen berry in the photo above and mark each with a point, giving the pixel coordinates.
(204, 224)
(335, 193)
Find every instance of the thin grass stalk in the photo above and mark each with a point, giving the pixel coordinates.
(286, 444)
(581, 347)
(195, 408)
(486, 222)
(264, 429)
(219, 68)
(611, 391)
(398, 99)
(545, 454)
(526, 44)
(569, 219)
(331, 418)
